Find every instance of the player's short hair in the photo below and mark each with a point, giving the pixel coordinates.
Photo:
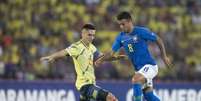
(124, 15)
(89, 26)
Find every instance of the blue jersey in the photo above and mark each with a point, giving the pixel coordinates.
(136, 46)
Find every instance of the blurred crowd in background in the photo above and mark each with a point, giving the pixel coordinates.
(30, 29)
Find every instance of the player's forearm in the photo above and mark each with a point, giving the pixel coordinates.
(113, 58)
(106, 57)
(58, 54)
(161, 47)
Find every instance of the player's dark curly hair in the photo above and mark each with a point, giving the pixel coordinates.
(124, 15)
(89, 26)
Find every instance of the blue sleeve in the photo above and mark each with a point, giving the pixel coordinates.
(148, 35)
(117, 43)
(96, 55)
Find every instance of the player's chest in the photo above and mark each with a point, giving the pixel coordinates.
(131, 39)
(87, 54)
(86, 58)
(132, 43)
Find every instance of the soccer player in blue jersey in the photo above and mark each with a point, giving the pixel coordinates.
(134, 40)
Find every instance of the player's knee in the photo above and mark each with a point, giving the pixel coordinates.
(111, 97)
(102, 95)
(138, 79)
(135, 80)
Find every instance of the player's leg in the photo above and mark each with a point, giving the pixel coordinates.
(137, 81)
(84, 91)
(83, 98)
(149, 95)
(140, 78)
(149, 72)
(97, 93)
(103, 95)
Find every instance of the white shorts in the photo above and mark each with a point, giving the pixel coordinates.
(149, 72)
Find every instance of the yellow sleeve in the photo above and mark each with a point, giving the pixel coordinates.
(73, 50)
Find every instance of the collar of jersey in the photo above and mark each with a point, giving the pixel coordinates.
(84, 44)
(131, 33)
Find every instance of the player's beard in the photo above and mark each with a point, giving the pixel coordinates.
(126, 30)
(90, 40)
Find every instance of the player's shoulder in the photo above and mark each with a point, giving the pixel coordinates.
(76, 44)
(141, 29)
(120, 34)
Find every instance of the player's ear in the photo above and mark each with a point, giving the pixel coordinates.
(83, 32)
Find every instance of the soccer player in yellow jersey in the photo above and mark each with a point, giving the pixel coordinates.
(84, 53)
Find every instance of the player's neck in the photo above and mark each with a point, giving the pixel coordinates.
(131, 29)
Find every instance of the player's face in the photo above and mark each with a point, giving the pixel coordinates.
(89, 35)
(125, 25)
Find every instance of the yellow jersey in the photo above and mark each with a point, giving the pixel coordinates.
(83, 61)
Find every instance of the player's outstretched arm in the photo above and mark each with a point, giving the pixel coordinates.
(54, 56)
(103, 57)
(163, 52)
(116, 57)
(109, 56)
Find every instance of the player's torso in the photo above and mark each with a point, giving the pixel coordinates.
(133, 44)
(84, 65)
(137, 49)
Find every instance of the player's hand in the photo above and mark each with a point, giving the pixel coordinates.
(47, 58)
(121, 56)
(98, 62)
(111, 97)
(167, 62)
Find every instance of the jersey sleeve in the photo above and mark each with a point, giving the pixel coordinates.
(148, 35)
(73, 50)
(96, 53)
(117, 43)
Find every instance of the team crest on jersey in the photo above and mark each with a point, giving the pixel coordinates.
(135, 38)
